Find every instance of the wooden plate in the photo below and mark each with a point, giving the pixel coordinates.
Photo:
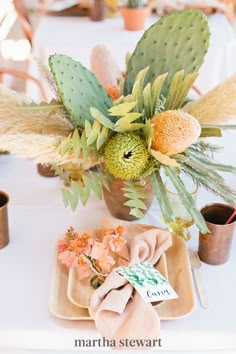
(179, 276)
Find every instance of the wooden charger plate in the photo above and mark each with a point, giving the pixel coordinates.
(179, 276)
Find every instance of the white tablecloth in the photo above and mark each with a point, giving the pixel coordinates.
(76, 36)
(37, 218)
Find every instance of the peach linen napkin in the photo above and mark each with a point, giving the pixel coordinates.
(118, 310)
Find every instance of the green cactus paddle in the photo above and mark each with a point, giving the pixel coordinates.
(79, 89)
(178, 41)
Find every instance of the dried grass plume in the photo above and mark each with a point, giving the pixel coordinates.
(216, 107)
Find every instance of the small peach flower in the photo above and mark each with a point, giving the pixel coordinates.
(114, 243)
(98, 250)
(68, 258)
(62, 245)
(120, 230)
(105, 263)
(84, 270)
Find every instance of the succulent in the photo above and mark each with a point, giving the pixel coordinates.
(126, 156)
(174, 132)
(79, 89)
(178, 41)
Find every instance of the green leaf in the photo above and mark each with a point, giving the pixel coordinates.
(84, 146)
(209, 132)
(136, 204)
(164, 159)
(84, 194)
(174, 89)
(156, 90)
(137, 91)
(223, 126)
(185, 87)
(101, 118)
(160, 193)
(87, 127)
(66, 194)
(128, 118)
(95, 131)
(75, 195)
(53, 105)
(122, 109)
(64, 146)
(187, 200)
(76, 143)
(147, 100)
(137, 213)
(128, 127)
(148, 132)
(209, 163)
(139, 80)
(102, 137)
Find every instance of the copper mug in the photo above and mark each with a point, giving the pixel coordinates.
(4, 230)
(214, 247)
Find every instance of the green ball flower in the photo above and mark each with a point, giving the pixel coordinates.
(126, 156)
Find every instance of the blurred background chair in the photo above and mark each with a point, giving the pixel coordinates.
(16, 37)
(23, 76)
(24, 20)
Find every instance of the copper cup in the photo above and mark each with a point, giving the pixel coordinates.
(4, 232)
(214, 247)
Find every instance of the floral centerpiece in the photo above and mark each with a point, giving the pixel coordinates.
(149, 127)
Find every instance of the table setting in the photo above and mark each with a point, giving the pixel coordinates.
(123, 147)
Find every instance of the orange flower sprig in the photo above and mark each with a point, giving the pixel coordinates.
(93, 258)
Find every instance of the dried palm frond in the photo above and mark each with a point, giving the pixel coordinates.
(42, 149)
(15, 120)
(216, 107)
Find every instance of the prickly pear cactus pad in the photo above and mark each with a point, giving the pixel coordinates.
(79, 88)
(175, 42)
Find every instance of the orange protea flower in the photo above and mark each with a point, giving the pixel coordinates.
(113, 92)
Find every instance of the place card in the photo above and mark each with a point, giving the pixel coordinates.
(148, 281)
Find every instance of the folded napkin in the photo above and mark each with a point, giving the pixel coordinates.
(116, 307)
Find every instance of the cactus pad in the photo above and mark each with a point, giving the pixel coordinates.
(178, 41)
(79, 89)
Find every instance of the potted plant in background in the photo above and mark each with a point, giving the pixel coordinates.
(135, 14)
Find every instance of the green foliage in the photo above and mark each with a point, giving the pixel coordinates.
(77, 143)
(179, 88)
(76, 192)
(96, 133)
(186, 199)
(51, 106)
(178, 41)
(210, 132)
(134, 191)
(79, 89)
(160, 193)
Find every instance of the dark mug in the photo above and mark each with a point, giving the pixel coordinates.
(214, 247)
(4, 230)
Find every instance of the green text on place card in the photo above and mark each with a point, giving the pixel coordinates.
(148, 281)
